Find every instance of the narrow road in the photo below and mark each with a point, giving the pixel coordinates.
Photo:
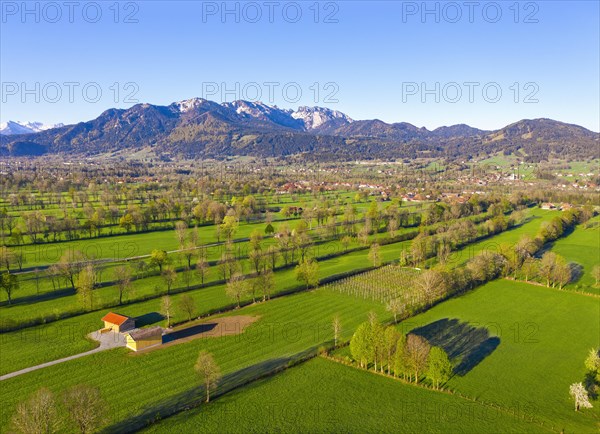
(107, 341)
(32, 270)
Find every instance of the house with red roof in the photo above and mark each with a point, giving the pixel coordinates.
(118, 323)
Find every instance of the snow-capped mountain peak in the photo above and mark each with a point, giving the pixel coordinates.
(314, 117)
(17, 127)
(254, 109)
(307, 118)
(189, 104)
(263, 112)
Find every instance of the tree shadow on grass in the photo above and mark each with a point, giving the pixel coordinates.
(44, 296)
(148, 319)
(465, 344)
(591, 385)
(576, 271)
(195, 396)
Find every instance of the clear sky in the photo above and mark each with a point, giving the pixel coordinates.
(394, 61)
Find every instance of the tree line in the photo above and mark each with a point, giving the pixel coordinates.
(411, 356)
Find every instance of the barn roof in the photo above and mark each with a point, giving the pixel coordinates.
(150, 332)
(115, 318)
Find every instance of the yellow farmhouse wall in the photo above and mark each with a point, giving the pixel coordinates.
(128, 325)
(109, 325)
(144, 343)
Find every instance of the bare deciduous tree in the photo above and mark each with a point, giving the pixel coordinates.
(336, 325)
(417, 352)
(396, 307)
(201, 269)
(547, 267)
(596, 274)
(267, 283)
(123, 276)
(375, 255)
(6, 257)
(69, 265)
(38, 414)
(208, 371)
(170, 277)
(86, 282)
(236, 287)
(529, 268)
(167, 309)
(85, 407)
(187, 306)
(188, 253)
(180, 232)
(346, 241)
(431, 283)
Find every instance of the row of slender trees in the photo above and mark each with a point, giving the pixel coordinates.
(411, 357)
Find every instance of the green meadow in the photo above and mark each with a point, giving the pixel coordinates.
(510, 237)
(524, 345)
(161, 380)
(519, 347)
(325, 396)
(47, 342)
(582, 250)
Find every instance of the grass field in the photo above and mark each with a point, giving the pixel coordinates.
(538, 340)
(159, 380)
(66, 301)
(67, 336)
(510, 237)
(325, 396)
(36, 285)
(289, 327)
(582, 248)
(132, 244)
(507, 164)
(121, 244)
(43, 343)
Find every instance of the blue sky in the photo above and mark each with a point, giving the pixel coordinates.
(370, 60)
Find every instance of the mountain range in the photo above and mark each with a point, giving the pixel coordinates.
(200, 128)
(13, 128)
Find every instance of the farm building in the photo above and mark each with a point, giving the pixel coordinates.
(143, 338)
(118, 323)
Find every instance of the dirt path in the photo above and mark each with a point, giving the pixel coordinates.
(107, 341)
